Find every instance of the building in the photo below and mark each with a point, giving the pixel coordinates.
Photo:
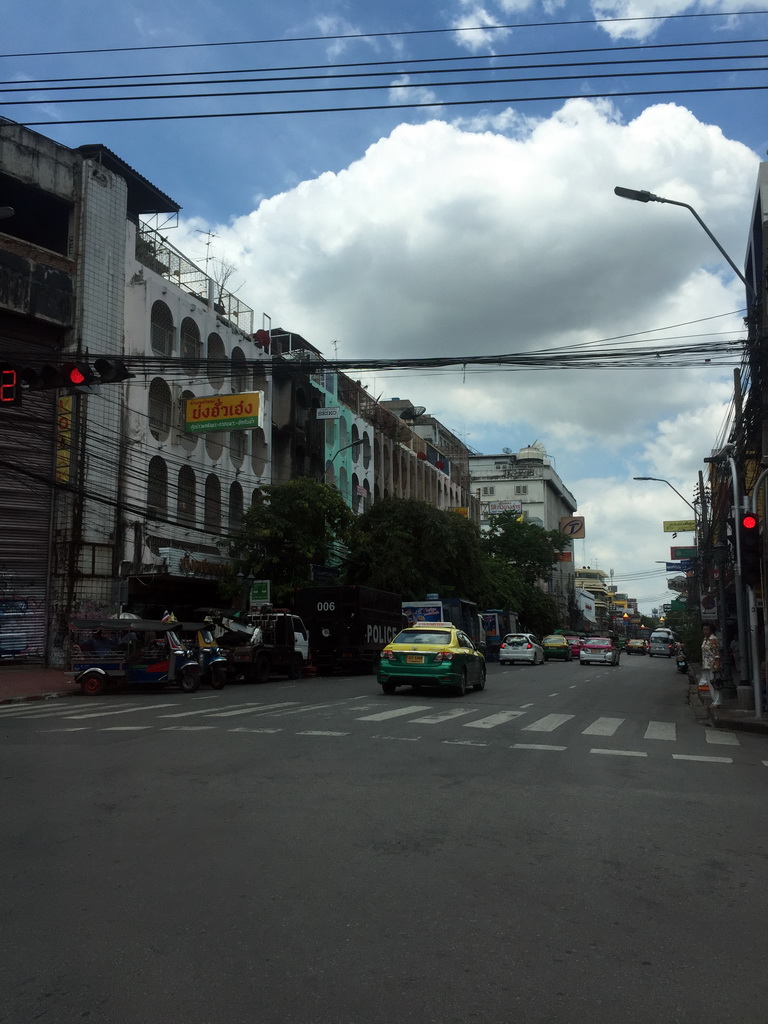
(594, 582)
(526, 482)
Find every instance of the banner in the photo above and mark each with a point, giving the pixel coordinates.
(224, 412)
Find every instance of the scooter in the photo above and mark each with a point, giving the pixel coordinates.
(682, 663)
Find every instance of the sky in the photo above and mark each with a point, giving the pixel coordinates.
(466, 207)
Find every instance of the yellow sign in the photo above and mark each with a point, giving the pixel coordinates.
(224, 412)
(461, 511)
(679, 525)
(63, 438)
(572, 526)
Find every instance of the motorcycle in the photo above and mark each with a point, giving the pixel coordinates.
(682, 663)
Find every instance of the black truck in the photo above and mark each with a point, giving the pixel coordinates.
(348, 625)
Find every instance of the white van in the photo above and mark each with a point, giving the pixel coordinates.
(662, 643)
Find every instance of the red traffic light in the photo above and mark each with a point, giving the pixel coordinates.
(77, 374)
(749, 521)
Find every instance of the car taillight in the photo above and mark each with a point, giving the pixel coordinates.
(503, 646)
(444, 656)
(388, 655)
(529, 646)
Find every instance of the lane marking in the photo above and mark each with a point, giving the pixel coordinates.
(553, 695)
(321, 732)
(382, 716)
(619, 753)
(245, 728)
(724, 739)
(186, 728)
(253, 710)
(207, 711)
(700, 757)
(661, 731)
(127, 711)
(71, 728)
(443, 716)
(405, 739)
(124, 728)
(535, 746)
(59, 712)
(493, 720)
(603, 727)
(548, 723)
(526, 705)
(465, 743)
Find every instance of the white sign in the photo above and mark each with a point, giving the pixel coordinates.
(331, 413)
(495, 508)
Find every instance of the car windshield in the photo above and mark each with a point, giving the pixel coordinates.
(515, 641)
(423, 636)
(554, 640)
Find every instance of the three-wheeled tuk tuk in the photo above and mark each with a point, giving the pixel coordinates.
(112, 652)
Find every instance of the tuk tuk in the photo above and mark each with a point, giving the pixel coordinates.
(112, 652)
(211, 658)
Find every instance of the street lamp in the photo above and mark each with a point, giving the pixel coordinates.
(661, 480)
(352, 444)
(641, 196)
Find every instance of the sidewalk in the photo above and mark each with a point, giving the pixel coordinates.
(726, 716)
(32, 682)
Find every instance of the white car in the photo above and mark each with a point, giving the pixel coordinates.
(599, 650)
(521, 647)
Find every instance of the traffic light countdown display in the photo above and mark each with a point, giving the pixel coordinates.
(14, 380)
(749, 545)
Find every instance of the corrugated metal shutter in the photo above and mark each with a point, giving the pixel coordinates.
(27, 439)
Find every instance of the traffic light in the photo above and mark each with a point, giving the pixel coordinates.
(10, 385)
(111, 371)
(77, 375)
(749, 545)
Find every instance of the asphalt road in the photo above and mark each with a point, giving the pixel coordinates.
(568, 846)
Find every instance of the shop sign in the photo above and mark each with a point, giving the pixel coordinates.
(224, 412)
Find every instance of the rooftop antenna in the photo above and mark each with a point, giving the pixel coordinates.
(209, 235)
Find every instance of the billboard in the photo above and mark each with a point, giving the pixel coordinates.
(572, 526)
(224, 412)
(495, 508)
(679, 525)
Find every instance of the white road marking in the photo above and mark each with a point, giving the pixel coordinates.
(572, 687)
(526, 705)
(553, 695)
(247, 711)
(724, 739)
(124, 728)
(47, 711)
(620, 753)
(443, 716)
(548, 723)
(207, 711)
(281, 712)
(493, 720)
(245, 728)
(535, 746)
(71, 728)
(603, 727)
(127, 711)
(320, 732)
(699, 757)
(382, 716)
(186, 728)
(464, 743)
(405, 739)
(661, 731)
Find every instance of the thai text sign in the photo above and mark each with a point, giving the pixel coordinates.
(676, 553)
(495, 508)
(679, 525)
(224, 412)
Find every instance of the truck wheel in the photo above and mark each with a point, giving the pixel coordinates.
(189, 679)
(261, 669)
(93, 683)
(295, 667)
(218, 676)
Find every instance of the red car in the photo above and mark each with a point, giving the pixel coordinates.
(575, 642)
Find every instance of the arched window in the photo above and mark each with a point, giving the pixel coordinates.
(159, 409)
(355, 495)
(186, 440)
(212, 505)
(258, 451)
(217, 357)
(355, 451)
(157, 488)
(238, 445)
(239, 371)
(186, 499)
(161, 329)
(235, 507)
(190, 345)
(214, 445)
(366, 446)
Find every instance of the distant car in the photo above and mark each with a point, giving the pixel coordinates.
(635, 647)
(523, 647)
(662, 644)
(575, 641)
(599, 650)
(432, 654)
(556, 647)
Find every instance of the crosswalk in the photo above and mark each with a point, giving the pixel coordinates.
(521, 728)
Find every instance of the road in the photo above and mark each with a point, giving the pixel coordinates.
(568, 845)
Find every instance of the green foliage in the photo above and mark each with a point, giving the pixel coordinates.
(532, 550)
(288, 532)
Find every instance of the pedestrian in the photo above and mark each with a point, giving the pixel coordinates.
(710, 664)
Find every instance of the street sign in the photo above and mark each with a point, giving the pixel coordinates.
(676, 553)
(331, 412)
(679, 525)
(674, 566)
(572, 526)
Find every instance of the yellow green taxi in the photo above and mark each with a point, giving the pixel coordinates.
(556, 647)
(431, 654)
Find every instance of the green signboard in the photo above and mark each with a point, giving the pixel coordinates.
(677, 553)
(260, 593)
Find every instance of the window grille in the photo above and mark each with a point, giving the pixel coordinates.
(157, 488)
(162, 329)
(159, 409)
(212, 505)
(186, 497)
(190, 345)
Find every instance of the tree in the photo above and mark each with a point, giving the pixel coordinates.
(411, 548)
(289, 531)
(530, 548)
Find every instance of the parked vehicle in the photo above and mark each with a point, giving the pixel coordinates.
(523, 647)
(432, 654)
(211, 657)
(497, 623)
(459, 612)
(107, 653)
(258, 644)
(635, 647)
(556, 648)
(600, 650)
(349, 626)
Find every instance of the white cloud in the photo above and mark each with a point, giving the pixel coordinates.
(444, 240)
(402, 90)
(657, 10)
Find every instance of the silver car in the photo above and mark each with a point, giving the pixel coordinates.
(523, 647)
(599, 650)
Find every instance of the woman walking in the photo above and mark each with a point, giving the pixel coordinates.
(710, 663)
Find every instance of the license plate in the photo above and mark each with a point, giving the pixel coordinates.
(414, 659)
